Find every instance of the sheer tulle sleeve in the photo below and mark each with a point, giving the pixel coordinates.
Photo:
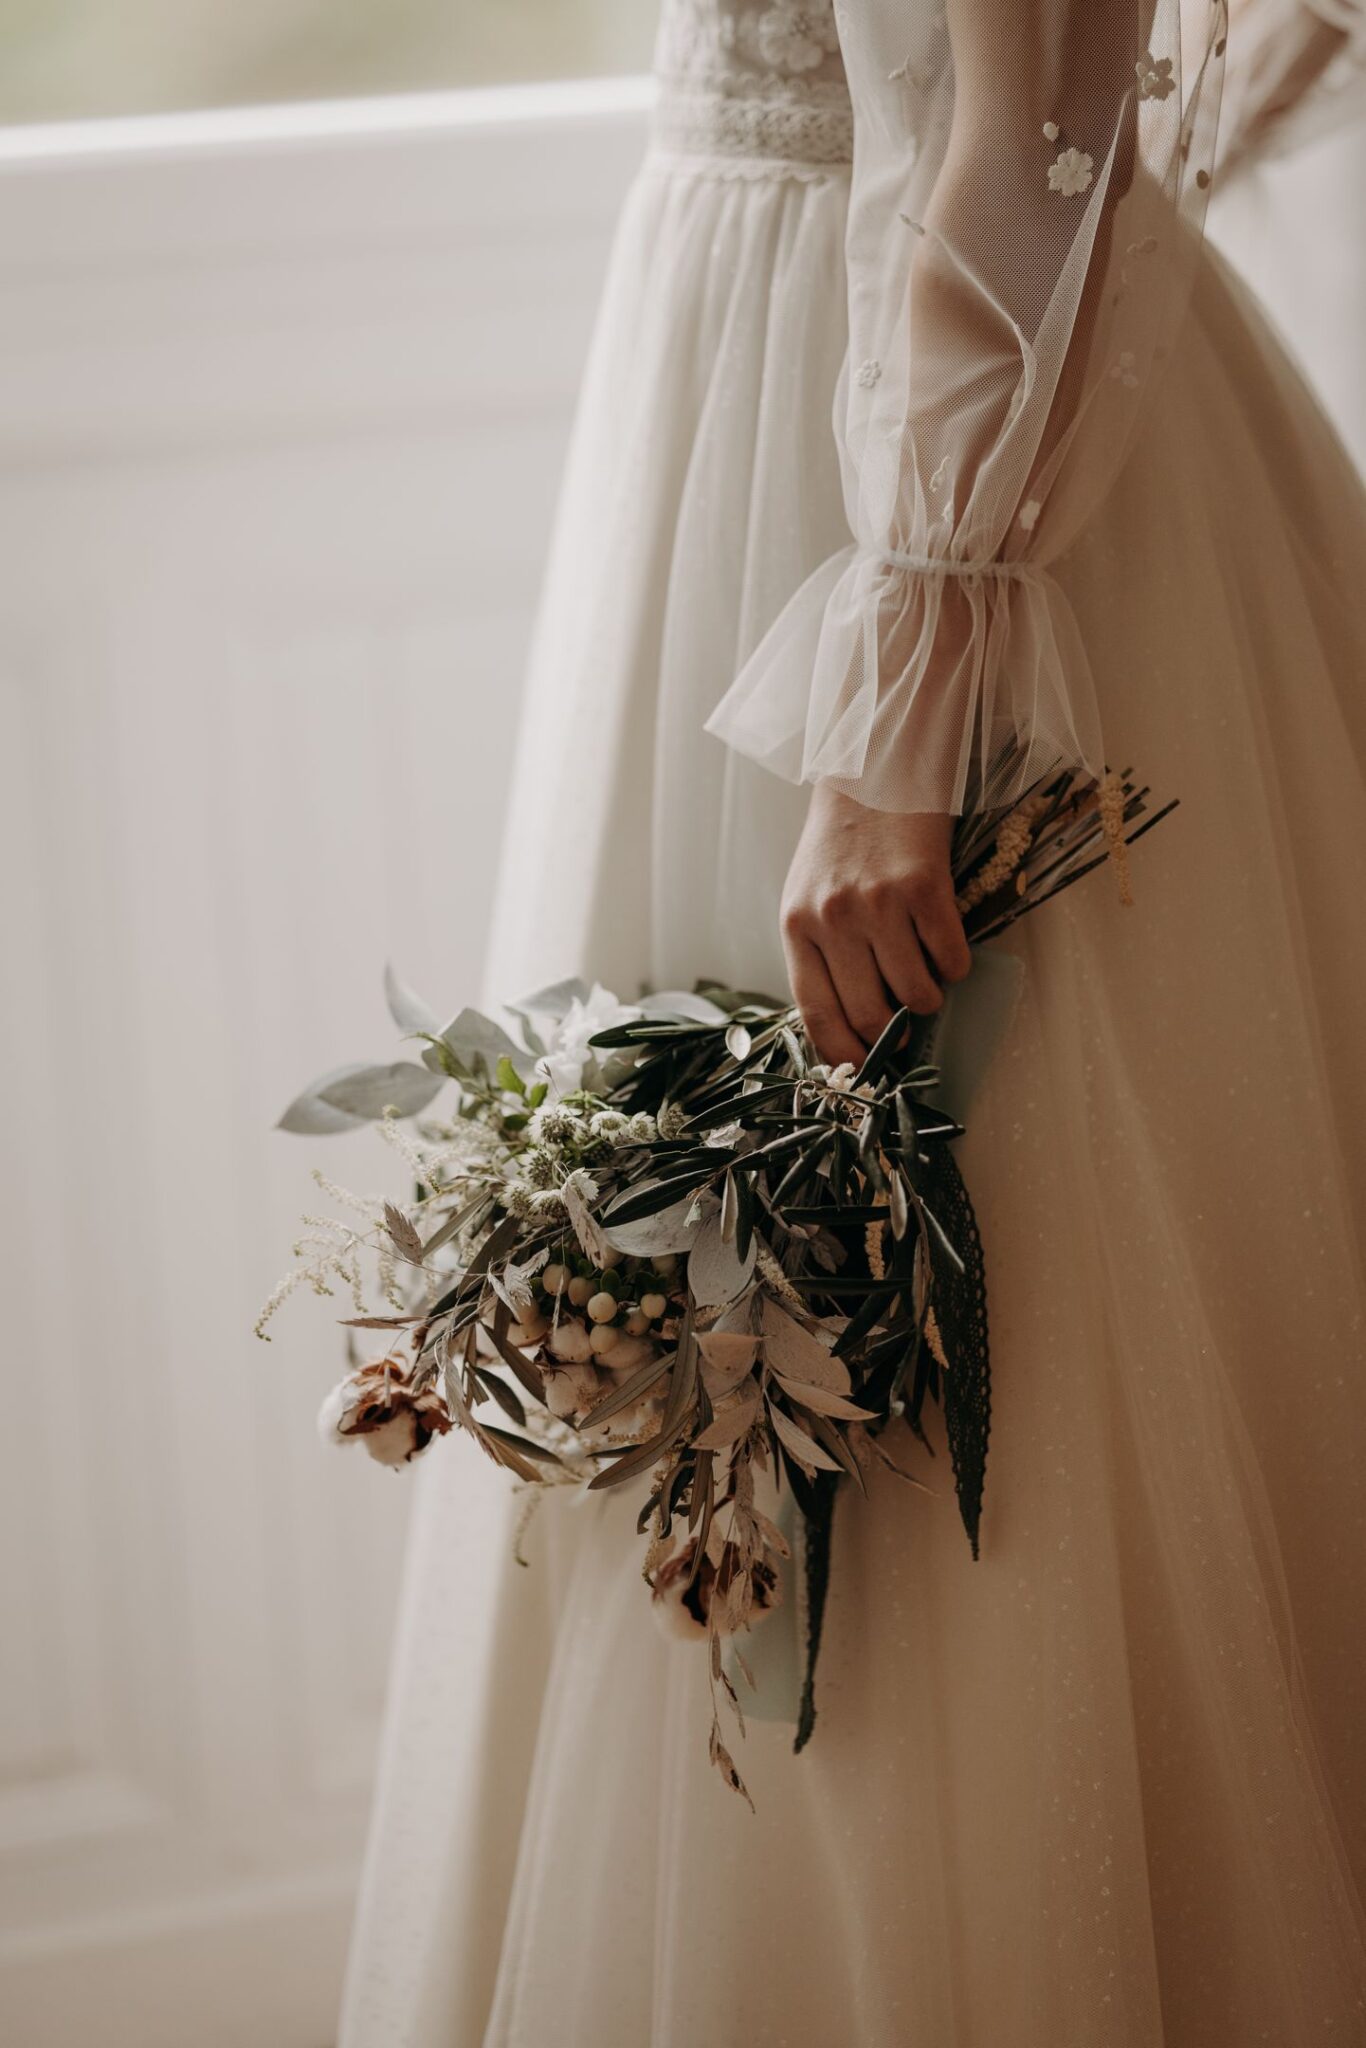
(1029, 181)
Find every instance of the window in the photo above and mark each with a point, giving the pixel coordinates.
(78, 59)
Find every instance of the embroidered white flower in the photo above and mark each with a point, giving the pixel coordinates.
(1155, 81)
(868, 373)
(792, 37)
(1071, 173)
(1029, 514)
(1051, 131)
(1124, 369)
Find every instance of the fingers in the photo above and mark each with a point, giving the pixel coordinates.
(903, 966)
(939, 926)
(822, 1012)
(854, 971)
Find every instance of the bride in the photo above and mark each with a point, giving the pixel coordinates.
(1105, 1788)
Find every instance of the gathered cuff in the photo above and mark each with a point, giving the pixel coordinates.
(909, 682)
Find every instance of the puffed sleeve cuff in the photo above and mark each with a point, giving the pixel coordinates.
(912, 684)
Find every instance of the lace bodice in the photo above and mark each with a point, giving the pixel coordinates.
(756, 80)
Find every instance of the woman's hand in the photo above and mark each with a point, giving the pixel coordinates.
(869, 921)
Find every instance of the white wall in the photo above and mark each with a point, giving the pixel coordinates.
(1295, 229)
(282, 404)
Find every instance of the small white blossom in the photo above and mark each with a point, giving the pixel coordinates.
(1124, 369)
(1029, 514)
(1071, 173)
(672, 1121)
(868, 374)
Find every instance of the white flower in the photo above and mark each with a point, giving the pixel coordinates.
(1071, 173)
(1124, 369)
(644, 1129)
(375, 1405)
(569, 1062)
(1155, 81)
(552, 1125)
(1029, 514)
(1051, 130)
(672, 1121)
(792, 37)
(867, 374)
(570, 1391)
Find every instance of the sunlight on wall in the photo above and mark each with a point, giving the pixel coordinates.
(75, 59)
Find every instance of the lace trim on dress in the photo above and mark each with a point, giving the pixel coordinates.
(758, 81)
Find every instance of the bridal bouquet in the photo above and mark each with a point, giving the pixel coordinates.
(660, 1244)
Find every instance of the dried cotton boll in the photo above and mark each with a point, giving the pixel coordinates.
(570, 1392)
(335, 1408)
(394, 1442)
(676, 1606)
(376, 1406)
(628, 1353)
(569, 1342)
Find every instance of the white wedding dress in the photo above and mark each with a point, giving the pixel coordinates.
(1105, 1788)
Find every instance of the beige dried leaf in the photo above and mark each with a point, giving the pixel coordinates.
(795, 1353)
(734, 1416)
(726, 1357)
(772, 1534)
(808, 1455)
(821, 1401)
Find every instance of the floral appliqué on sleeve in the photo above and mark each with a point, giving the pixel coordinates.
(1155, 81)
(1071, 173)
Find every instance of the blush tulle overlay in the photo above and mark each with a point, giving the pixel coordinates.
(1105, 1788)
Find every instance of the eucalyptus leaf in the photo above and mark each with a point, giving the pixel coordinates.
(676, 1003)
(478, 1043)
(407, 1008)
(555, 1000)
(350, 1097)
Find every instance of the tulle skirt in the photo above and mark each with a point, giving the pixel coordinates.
(1105, 1788)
